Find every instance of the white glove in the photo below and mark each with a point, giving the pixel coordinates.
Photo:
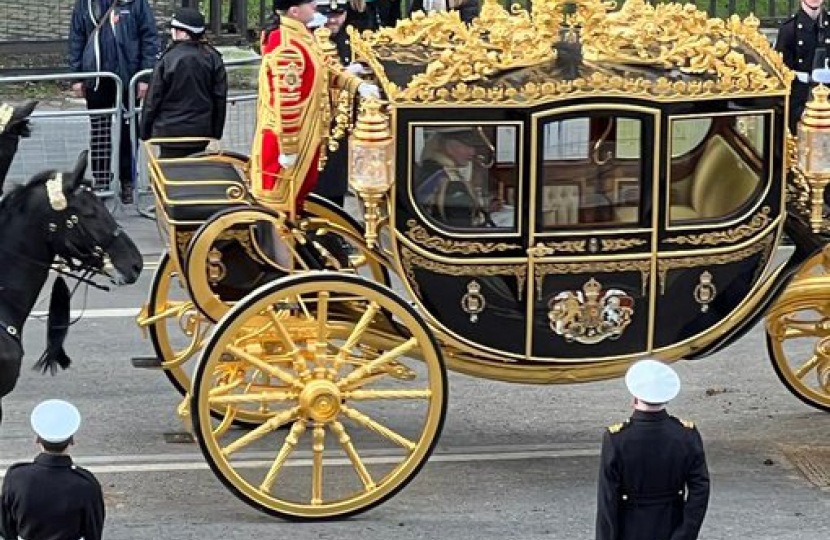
(803, 76)
(213, 147)
(367, 90)
(356, 68)
(287, 161)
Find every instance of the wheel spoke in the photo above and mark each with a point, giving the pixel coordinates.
(225, 424)
(799, 329)
(271, 370)
(322, 317)
(317, 446)
(387, 394)
(377, 363)
(300, 365)
(361, 326)
(270, 425)
(288, 446)
(273, 395)
(384, 431)
(807, 366)
(346, 442)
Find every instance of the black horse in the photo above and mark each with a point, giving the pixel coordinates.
(14, 124)
(55, 215)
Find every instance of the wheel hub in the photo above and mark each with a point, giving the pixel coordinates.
(320, 401)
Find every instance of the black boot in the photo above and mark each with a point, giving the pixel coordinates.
(127, 192)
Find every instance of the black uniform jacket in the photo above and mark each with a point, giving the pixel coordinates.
(653, 480)
(51, 499)
(333, 181)
(188, 93)
(798, 39)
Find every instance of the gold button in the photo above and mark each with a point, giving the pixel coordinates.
(625, 497)
(800, 25)
(800, 42)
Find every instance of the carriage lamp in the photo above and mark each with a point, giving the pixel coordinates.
(371, 163)
(814, 151)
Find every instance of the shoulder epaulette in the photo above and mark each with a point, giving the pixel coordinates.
(688, 424)
(616, 428)
(85, 474)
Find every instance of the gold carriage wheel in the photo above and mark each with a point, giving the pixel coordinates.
(344, 372)
(182, 316)
(798, 339)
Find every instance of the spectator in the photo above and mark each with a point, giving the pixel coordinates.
(801, 39)
(467, 9)
(189, 90)
(653, 480)
(117, 36)
(51, 498)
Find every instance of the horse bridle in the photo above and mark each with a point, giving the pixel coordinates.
(82, 264)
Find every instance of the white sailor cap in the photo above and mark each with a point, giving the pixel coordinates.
(652, 382)
(55, 420)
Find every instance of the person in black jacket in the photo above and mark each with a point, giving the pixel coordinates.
(116, 36)
(51, 498)
(799, 40)
(467, 9)
(653, 479)
(189, 90)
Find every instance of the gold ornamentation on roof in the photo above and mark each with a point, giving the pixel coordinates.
(701, 56)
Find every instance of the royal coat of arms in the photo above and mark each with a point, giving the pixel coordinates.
(590, 315)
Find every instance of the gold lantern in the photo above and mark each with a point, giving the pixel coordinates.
(814, 151)
(371, 163)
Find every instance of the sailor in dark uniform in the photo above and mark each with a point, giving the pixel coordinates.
(799, 37)
(653, 480)
(333, 182)
(51, 498)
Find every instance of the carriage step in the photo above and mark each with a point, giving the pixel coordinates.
(146, 362)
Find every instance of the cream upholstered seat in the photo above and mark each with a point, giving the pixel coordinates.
(721, 183)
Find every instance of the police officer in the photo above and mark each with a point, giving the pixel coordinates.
(334, 178)
(653, 480)
(51, 498)
(799, 38)
(189, 90)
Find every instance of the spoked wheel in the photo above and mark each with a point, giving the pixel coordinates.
(178, 332)
(364, 404)
(798, 336)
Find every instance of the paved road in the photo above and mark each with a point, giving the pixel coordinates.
(513, 462)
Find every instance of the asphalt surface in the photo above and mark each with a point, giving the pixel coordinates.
(514, 461)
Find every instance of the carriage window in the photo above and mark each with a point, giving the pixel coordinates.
(466, 176)
(591, 172)
(718, 175)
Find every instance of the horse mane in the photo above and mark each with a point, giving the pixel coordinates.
(13, 200)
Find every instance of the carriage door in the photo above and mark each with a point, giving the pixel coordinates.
(592, 233)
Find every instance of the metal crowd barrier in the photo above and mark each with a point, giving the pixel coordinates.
(60, 134)
(240, 124)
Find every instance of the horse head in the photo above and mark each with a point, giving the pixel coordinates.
(82, 230)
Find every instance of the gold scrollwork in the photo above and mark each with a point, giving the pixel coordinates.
(419, 235)
(618, 244)
(758, 222)
(412, 260)
(664, 266)
(545, 269)
(243, 237)
(547, 249)
(733, 55)
(183, 238)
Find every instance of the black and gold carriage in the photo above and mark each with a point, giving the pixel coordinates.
(555, 193)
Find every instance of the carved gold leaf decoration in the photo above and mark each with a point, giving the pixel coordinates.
(729, 57)
(412, 260)
(758, 222)
(666, 265)
(419, 235)
(540, 271)
(618, 244)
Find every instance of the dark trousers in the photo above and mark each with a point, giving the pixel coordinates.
(101, 137)
(167, 151)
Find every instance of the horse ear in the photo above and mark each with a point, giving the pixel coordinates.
(22, 112)
(77, 174)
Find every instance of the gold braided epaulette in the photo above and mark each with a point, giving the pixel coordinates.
(616, 428)
(688, 424)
